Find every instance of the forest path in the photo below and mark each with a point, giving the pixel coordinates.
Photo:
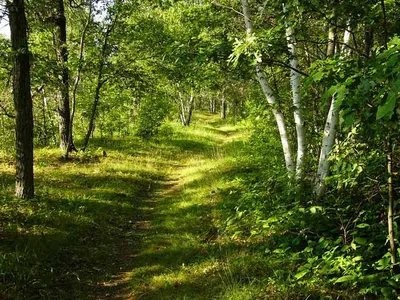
(139, 223)
(179, 256)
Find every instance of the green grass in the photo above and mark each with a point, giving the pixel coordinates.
(149, 221)
(138, 222)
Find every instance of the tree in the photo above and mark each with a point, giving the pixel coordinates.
(110, 24)
(22, 99)
(269, 95)
(60, 40)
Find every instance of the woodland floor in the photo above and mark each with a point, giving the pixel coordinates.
(141, 223)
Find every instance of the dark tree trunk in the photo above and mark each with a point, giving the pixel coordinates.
(22, 99)
(99, 85)
(94, 108)
(62, 53)
(369, 40)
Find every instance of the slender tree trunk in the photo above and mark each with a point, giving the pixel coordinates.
(62, 53)
(186, 111)
(329, 133)
(331, 40)
(71, 145)
(368, 40)
(279, 117)
(190, 110)
(44, 114)
(390, 215)
(224, 106)
(389, 162)
(22, 99)
(298, 116)
(99, 84)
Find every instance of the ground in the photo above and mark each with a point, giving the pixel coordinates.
(141, 223)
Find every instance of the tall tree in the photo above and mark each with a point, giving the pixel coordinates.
(110, 23)
(60, 40)
(295, 84)
(269, 95)
(332, 120)
(22, 99)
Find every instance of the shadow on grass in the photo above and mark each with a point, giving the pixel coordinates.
(75, 240)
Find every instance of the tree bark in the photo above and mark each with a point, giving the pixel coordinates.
(62, 57)
(389, 159)
(368, 40)
(279, 117)
(295, 84)
(331, 40)
(99, 84)
(224, 106)
(71, 145)
(329, 132)
(185, 112)
(22, 100)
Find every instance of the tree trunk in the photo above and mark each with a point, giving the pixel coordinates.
(329, 132)
(22, 99)
(390, 215)
(91, 127)
(331, 36)
(368, 40)
(213, 105)
(71, 145)
(295, 84)
(331, 41)
(279, 117)
(62, 56)
(186, 111)
(44, 114)
(100, 81)
(224, 106)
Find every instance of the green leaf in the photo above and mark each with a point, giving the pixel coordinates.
(387, 109)
(388, 293)
(394, 283)
(363, 225)
(345, 278)
(301, 274)
(360, 241)
(318, 76)
(383, 263)
(314, 209)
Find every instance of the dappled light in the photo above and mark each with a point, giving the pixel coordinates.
(199, 149)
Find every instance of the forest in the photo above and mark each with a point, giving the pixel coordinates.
(199, 149)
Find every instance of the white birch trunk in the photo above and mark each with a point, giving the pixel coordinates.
(279, 117)
(346, 39)
(329, 132)
(295, 84)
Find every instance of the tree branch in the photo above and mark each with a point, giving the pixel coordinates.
(230, 8)
(5, 112)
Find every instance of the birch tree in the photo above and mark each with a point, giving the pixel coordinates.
(329, 130)
(269, 95)
(295, 84)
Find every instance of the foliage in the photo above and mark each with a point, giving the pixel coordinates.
(151, 115)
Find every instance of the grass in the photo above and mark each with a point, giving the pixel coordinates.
(146, 222)
(137, 223)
